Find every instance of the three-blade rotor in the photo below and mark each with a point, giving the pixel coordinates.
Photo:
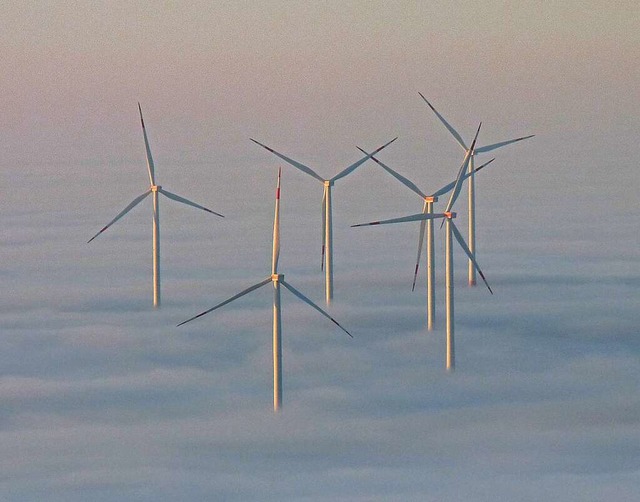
(458, 138)
(433, 216)
(153, 187)
(463, 168)
(414, 188)
(326, 250)
(312, 173)
(288, 286)
(275, 276)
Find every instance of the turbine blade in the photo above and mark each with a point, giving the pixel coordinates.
(423, 224)
(294, 163)
(446, 124)
(133, 203)
(235, 297)
(353, 166)
(309, 302)
(448, 187)
(413, 217)
(324, 224)
(488, 148)
(466, 249)
(276, 229)
(409, 184)
(150, 166)
(186, 201)
(458, 186)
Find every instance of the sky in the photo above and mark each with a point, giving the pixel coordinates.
(103, 398)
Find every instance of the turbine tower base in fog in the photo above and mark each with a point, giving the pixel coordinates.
(431, 272)
(450, 357)
(277, 344)
(277, 280)
(328, 238)
(156, 246)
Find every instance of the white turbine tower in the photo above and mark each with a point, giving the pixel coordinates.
(154, 190)
(276, 279)
(428, 224)
(472, 201)
(327, 226)
(450, 228)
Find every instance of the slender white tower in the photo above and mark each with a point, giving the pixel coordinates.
(156, 246)
(327, 249)
(277, 320)
(450, 356)
(431, 271)
(277, 347)
(156, 214)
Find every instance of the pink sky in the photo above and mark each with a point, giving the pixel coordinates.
(306, 74)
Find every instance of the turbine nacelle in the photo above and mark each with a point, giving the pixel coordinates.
(156, 188)
(431, 198)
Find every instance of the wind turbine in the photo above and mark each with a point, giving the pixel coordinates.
(154, 190)
(276, 279)
(472, 201)
(327, 227)
(450, 228)
(428, 209)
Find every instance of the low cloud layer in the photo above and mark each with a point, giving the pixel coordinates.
(105, 399)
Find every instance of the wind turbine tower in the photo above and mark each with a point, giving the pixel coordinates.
(327, 218)
(428, 226)
(450, 229)
(154, 189)
(277, 279)
(471, 152)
